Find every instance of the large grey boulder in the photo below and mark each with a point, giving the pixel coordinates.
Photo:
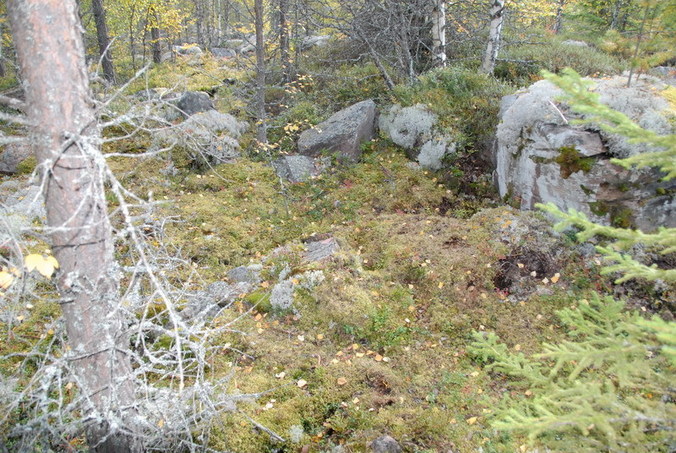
(12, 156)
(223, 53)
(314, 41)
(188, 50)
(542, 157)
(343, 133)
(415, 129)
(211, 136)
(193, 102)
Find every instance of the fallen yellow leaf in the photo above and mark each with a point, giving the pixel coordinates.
(472, 420)
(44, 265)
(6, 280)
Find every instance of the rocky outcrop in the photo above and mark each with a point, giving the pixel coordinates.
(415, 129)
(342, 134)
(541, 157)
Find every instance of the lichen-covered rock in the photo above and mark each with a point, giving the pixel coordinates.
(314, 41)
(385, 444)
(343, 133)
(12, 156)
(415, 129)
(299, 168)
(211, 136)
(432, 153)
(542, 157)
(188, 50)
(320, 250)
(246, 274)
(193, 102)
(223, 53)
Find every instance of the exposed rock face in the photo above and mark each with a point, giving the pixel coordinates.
(12, 156)
(414, 129)
(343, 133)
(193, 102)
(540, 157)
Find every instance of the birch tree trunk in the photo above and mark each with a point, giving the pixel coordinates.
(558, 23)
(103, 40)
(493, 46)
(66, 143)
(439, 32)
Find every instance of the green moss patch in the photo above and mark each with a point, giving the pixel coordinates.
(571, 161)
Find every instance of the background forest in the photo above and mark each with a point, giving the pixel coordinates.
(331, 225)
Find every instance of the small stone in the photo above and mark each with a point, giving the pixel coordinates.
(385, 444)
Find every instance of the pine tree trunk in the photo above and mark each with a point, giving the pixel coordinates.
(156, 45)
(66, 143)
(439, 32)
(103, 40)
(261, 134)
(493, 47)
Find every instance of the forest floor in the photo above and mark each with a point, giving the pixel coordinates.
(378, 345)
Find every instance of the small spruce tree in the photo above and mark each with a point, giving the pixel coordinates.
(609, 386)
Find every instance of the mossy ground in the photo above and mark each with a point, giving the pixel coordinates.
(381, 343)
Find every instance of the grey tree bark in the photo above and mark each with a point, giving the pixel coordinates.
(66, 143)
(261, 133)
(493, 46)
(103, 40)
(284, 40)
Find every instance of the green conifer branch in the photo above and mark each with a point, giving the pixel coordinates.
(607, 391)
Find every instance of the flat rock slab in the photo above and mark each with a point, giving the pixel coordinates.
(343, 133)
(320, 250)
(299, 168)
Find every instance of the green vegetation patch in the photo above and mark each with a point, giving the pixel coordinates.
(571, 161)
